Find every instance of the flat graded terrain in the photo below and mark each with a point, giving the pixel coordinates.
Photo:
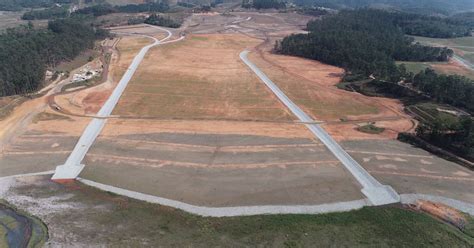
(412, 170)
(219, 163)
(42, 146)
(311, 85)
(79, 215)
(200, 77)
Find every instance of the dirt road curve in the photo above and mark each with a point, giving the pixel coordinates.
(377, 193)
(73, 166)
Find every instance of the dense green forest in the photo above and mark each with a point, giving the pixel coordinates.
(158, 20)
(363, 42)
(367, 43)
(44, 14)
(455, 134)
(26, 53)
(104, 9)
(466, 18)
(450, 89)
(17, 5)
(416, 6)
(263, 4)
(429, 26)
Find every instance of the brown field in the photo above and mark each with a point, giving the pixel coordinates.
(453, 68)
(127, 48)
(201, 77)
(311, 85)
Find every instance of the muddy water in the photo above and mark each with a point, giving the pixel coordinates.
(18, 230)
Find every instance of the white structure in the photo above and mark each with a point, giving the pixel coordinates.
(377, 193)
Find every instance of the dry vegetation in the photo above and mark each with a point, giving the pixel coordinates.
(201, 77)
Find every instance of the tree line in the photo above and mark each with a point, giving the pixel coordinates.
(17, 5)
(158, 20)
(429, 7)
(263, 4)
(105, 9)
(49, 13)
(95, 10)
(26, 52)
(454, 134)
(454, 90)
(365, 42)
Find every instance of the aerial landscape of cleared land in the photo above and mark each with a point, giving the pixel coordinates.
(199, 151)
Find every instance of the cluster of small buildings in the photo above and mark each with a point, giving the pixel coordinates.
(85, 74)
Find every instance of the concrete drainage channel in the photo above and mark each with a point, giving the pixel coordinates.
(252, 210)
(377, 193)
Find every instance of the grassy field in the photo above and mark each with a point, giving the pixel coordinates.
(415, 67)
(431, 111)
(463, 47)
(101, 217)
(440, 67)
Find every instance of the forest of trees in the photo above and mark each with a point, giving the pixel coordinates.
(454, 90)
(367, 43)
(429, 7)
(263, 4)
(430, 26)
(455, 134)
(104, 9)
(158, 20)
(26, 52)
(44, 14)
(17, 5)
(363, 42)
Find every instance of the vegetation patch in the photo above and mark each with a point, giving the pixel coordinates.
(371, 129)
(137, 223)
(19, 229)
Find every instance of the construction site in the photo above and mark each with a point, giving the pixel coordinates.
(196, 129)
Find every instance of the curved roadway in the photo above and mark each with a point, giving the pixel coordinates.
(72, 167)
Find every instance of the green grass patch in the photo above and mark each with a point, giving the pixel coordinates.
(429, 112)
(414, 67)
(137, 221)
(370, 128)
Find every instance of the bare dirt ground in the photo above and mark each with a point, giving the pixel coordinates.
(37, 148)
(312, 86)
(412, 170)
(208, 132)
(219, 163)
(453, 67)
(201, 77)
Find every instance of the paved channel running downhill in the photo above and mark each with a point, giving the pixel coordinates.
(73, 167)
(377, 193)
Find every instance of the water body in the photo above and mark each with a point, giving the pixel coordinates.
(20, 230)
